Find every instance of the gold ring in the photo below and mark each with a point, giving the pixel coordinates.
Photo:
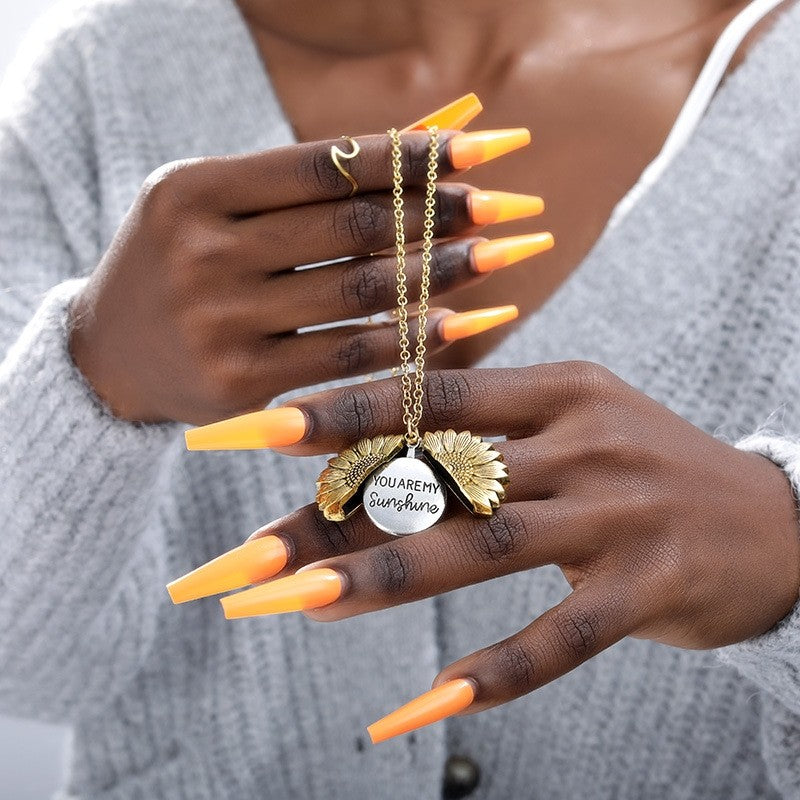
(337, 153)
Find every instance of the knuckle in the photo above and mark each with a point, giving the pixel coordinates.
(578, 631)
(500, 536)
(355, 353)
(361, 222)
(319, 173)
(447, 396)
(364, 288)
(359, 413)
(332, 538)
(170, 188)
(414, 155)
(202, 248)
(447, 265)
(393, 569)
(517, 665)
(588, 379)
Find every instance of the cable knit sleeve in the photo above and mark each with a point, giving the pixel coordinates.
(772, 661)
(79, 535)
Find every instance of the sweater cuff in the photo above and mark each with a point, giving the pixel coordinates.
(44, 394)
(771, 660)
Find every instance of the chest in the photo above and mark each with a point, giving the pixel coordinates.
(597, 119)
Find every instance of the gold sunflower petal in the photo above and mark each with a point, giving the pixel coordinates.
(339, 482)
(494, 469)
(473, 465)
(463, 441)
(448, 440)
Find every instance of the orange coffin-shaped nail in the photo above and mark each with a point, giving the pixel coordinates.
(313, 588)
(275, 427)
(435, 705)
(470, 323)
(251, 562)
(499, 253)
(470, 149)
(453, 116)
(486, 208)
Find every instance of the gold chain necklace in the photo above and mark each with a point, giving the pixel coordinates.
(412, 383)
(403, 492)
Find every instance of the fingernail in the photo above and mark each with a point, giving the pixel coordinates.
(311, 589)
(486, 208)
(470, 149)
(499, 253)
(254, 561)
(470, 323)
(435, 705)
(454, 116)
(275, 427)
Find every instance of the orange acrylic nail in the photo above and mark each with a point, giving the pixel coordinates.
(470, 323)
(275, 427)
(499, 253)
(312, 588)
(433, 706)
(254, 561)
(453, 116)
(486, 208)
(470, 149)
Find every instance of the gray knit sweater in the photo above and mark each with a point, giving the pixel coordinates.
(693, 299)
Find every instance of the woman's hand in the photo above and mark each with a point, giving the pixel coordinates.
(193, 313)
(662, 531)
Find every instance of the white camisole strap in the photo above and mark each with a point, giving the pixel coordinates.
(697, 102)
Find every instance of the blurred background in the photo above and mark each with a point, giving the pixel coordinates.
(31, 754)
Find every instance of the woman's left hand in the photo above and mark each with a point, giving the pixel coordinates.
(662, 531)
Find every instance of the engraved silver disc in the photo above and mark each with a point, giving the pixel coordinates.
(404, 496)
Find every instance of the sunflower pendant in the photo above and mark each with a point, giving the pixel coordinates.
(402, 488)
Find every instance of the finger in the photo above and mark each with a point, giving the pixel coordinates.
(306, 536)
(365, 224)
(273, 551)
(458, 552)
(345, 351)
(362, 287)
(584, 624)
(578, 628)
(305, 173)
(490, 402)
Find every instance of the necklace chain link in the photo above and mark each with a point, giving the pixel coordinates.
(412, 382)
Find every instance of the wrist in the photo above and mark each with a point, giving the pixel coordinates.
(100, 367)
(780, 529)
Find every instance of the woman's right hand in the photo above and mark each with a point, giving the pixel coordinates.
(193, 313)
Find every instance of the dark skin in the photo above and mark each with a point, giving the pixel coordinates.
(662, 531)
(598, 83)
(658, 527)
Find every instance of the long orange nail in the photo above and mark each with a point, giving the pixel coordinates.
(275, 427)
(499, 253)
(470, 323)
(251, 562)
(453, 116)
(470, 149)
(486, 208)
(435, 705)
(313, 588)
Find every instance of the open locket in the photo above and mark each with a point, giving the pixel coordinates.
(403, 488)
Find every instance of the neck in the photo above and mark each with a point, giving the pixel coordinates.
(364, 27)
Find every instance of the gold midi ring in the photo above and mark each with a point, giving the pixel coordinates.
(337, 153)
